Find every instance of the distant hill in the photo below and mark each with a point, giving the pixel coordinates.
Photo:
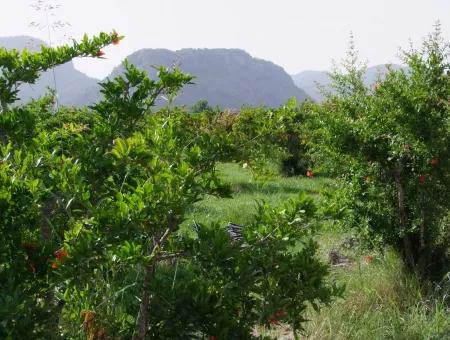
(308, 80)
(224, 77)
(70, 82)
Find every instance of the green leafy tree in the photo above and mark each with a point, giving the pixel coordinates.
(91, 204)
(25, 67)
(201, 106)
(390, 144)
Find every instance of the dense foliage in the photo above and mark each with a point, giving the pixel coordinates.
(390, 146)
(262, 137)
(93, 200)
(91, 203)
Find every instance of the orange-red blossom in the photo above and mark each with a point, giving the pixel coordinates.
(115, 38)
(60, 255)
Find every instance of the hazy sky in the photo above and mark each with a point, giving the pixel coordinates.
(296, 34)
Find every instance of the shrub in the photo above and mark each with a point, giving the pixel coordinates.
(390, 144)
(91, 202)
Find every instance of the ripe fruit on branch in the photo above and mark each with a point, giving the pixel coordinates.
(434, 162)
(421, 179)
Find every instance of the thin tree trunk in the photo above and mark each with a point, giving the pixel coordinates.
(423, 231)
(424, 252)
(4, 107)
(3, 138)
(144, 308)
(142, 323)
(401, 211)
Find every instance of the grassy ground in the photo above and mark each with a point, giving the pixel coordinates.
(380, 301)
(247, 191)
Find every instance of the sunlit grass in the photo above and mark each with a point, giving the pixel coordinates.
(247, 191)
(380, 300)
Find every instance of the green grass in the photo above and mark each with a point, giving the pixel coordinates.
(380, 300)
(247, 191)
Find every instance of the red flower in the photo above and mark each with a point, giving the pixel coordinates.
(309, 174)
(212, 337)
(421, 179)
(115, 38)
(100, 53)
(60, 254)
(434, 162)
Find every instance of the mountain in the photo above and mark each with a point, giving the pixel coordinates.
(309, 80)
(224, 77)
(71, 83)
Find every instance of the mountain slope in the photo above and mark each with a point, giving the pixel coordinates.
(309, 80)
(224, 77)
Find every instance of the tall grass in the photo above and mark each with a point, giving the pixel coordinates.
(381, 302)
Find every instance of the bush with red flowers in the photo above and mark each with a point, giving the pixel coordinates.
(91, 206)
(398, 135)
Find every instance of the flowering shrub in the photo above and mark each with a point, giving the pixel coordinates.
(390, 146)
(91, 202)
(17, 68)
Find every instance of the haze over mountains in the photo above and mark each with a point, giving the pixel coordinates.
(311, 81)
(228, 78)
(224, 77)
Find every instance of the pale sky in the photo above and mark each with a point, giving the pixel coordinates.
(295, 34)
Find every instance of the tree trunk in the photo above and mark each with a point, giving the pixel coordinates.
(423, 231)
(142, 323)
(4, 107)
(144, 308)
(402, 216)
(424, 250)
(3, 138)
